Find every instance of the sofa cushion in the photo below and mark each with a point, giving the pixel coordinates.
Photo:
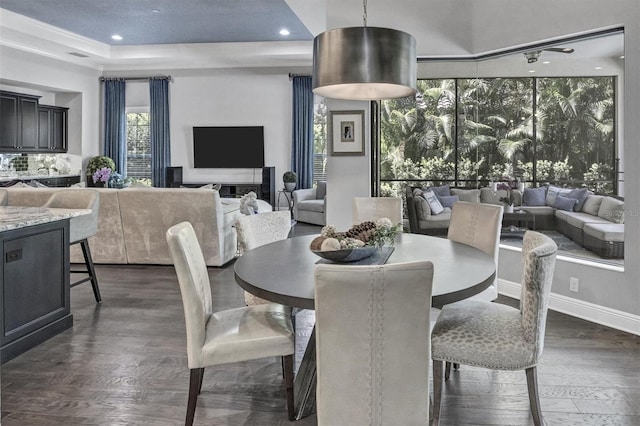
(612, 210)
(447, 201)
(312, 205)
(534, 196)
(469, 195)
(578, 219)
(592, 204)
(565, 203)
(440, 221)
(540, 210)
(561, 214)
(553, 192)
(423, 211)
(605, 231)
(580, 195)
(434, 204)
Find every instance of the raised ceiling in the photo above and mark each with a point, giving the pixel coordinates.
(167, 21)
(234, 33)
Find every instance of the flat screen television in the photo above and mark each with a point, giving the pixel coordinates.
(233, 147)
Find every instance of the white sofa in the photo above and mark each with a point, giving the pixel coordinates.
(132, 222)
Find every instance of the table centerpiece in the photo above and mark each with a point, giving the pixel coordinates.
(358, 242)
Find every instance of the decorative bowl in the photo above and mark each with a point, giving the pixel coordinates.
(347, 255)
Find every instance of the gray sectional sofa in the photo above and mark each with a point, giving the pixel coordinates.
(594, 221)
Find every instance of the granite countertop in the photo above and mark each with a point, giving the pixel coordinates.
(14, 217)
(30, 177)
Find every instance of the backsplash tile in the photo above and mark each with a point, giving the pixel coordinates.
(19, 165)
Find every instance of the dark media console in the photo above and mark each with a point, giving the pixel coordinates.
(265, 191)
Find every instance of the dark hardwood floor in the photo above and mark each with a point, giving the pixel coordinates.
(124, 363)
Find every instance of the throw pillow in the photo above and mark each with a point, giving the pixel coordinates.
(580, 195)
(207, 186)
(469, 195)
(553, 192)
(592, 204)
(612, 210)
(487, 196)
(434, 204)
(447, 201)
(534, 196)
(442, 191)
(423, 211)
(564, 203)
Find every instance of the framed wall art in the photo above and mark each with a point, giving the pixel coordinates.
(346, 132)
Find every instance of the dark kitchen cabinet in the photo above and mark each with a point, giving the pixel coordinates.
(52, 129)
(27, 126)
(18, 122)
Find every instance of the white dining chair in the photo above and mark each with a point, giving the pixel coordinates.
(257, 230)
(228, 336)
(371, 357)
(495, 336)
(81, 228)
(478, 225)
(373, 208)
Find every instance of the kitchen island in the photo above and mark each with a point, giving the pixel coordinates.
(34, 277)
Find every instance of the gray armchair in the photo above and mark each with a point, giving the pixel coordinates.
(310, 205)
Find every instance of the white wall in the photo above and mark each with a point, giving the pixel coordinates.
(224, 97)
(347, 176)
(62, 84)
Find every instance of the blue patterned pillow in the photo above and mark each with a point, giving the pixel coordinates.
(447, 201)
(581, 196)
(553, 192)
(534, 196)
(441, 191)
(564, 203)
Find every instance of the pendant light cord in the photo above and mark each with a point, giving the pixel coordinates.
(364, 15)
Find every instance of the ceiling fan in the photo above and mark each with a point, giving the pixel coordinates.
(533, 55)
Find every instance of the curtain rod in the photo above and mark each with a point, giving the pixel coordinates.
(161, 77)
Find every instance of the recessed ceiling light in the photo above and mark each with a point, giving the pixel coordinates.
(622, 57)
(598, 68)
(284, 32)
(116, 37)
(155, 10)
(546, 62)
(532, 71)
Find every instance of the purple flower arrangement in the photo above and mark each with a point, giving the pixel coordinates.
(102, 175)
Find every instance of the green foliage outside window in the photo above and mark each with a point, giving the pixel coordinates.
(139, 146)
(470, 131)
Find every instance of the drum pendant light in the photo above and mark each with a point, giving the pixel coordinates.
(364, 63)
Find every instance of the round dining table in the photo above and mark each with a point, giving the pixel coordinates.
(282, 272)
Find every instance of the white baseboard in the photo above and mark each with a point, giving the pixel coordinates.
(578, 308)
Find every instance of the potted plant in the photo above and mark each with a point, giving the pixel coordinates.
(289, 178)
(96, 164)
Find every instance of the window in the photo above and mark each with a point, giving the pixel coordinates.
(468, 132)
(138, 145)
(319, 139)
